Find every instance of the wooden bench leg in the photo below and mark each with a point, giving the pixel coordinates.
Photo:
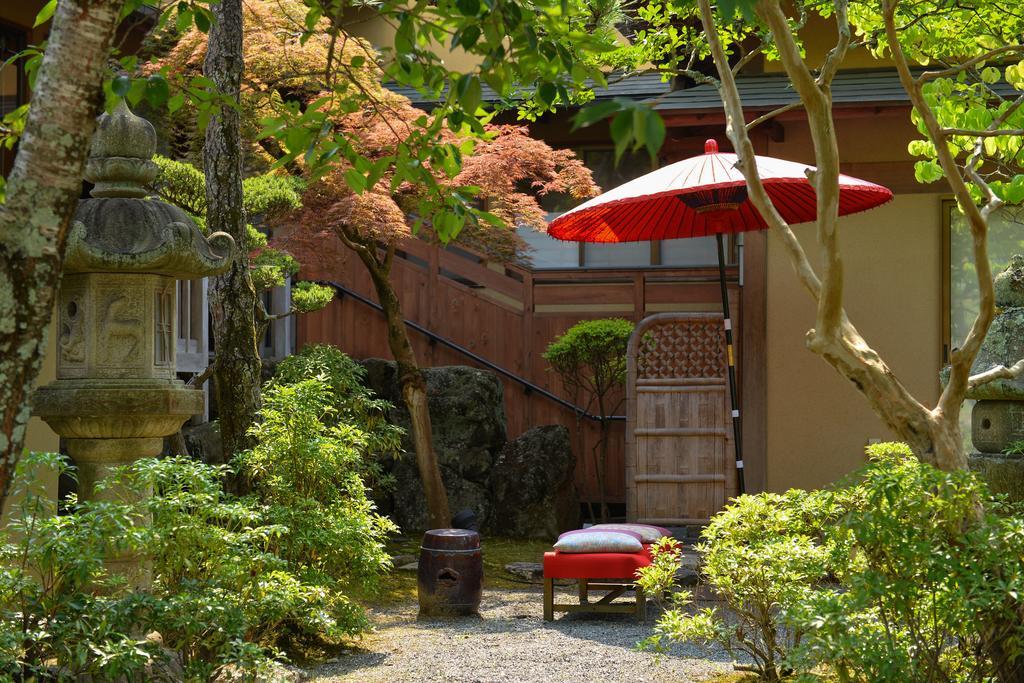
(641, 604)
(584, 592)
(549, 599)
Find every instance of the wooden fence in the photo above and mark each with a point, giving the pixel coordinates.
(508, 315)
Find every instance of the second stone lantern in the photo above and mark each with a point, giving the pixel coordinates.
(117, 394)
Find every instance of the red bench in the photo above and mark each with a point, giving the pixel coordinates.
(612, 572)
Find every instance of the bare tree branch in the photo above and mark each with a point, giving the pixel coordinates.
(969, 64)
(772, 114)
(998, 372)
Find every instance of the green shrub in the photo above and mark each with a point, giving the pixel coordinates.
(590, 359)
(931, 592)
(62, 614)
(306, 471)
(902, 574)
(762, 554)
(353, 403)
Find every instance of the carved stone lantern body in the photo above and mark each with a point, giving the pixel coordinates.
(997, 419)
(116, 395)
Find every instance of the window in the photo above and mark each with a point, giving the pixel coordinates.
(1005, 238)
(12, 83)
(548, 252)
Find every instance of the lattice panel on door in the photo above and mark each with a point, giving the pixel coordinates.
(681, 348)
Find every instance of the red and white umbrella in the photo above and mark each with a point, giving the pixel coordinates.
(702, 196)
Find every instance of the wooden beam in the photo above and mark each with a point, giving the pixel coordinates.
(754, 359)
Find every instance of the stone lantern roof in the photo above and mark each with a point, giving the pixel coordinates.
(120, 229)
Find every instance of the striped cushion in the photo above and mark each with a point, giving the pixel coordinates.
(598, 541)
(648, 533)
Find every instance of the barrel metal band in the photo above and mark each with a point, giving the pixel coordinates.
(451, 552)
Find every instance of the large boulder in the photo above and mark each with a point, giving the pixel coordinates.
(532, 485)
(204, 442)
(467, 413)
(408, 504)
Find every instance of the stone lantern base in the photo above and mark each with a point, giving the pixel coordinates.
(109, 423)
(1004, 474)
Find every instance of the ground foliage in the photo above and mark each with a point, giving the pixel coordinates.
(877, 579)
(235, 581)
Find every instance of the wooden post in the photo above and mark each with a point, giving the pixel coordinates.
(549, 599)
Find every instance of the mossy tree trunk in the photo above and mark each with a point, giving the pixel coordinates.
(410, 378)
(42, 193)
(237, 365)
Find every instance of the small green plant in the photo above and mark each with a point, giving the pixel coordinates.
(352, 403)
(590, 358)
(1014, 448)
(306, 471)
(932, 585)
(902, 573)
(762, 554)
(63, 615)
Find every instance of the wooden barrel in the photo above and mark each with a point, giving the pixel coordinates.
(451, 573)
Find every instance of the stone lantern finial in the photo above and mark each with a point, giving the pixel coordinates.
(120, 159)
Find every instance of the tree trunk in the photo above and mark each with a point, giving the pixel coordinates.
(232, 295)
(414, 393)
(42, 193)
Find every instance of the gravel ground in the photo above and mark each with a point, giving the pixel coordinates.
(511, 642)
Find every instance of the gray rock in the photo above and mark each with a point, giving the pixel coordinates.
(410, 567)
(467, 412)
(204, 442)
(399, 560)
(532, 483)
(529, 571)
(409, 504)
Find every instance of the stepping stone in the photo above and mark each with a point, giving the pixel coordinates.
(529, 571)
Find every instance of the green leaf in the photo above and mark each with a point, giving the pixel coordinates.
(175, 103)
(157, 90)
(596, 112)
(470, 36)
(470, 8)
(45, 13)
(471, 95)
(547, 93)
(655, 132)
(621, 130)
(121, 85)
(927, 171)
(405, 37)
(357, 61)
(203, 19)
(355, 180)
(990, 75)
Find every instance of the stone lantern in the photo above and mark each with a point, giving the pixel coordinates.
(116, 395)
(997, 420)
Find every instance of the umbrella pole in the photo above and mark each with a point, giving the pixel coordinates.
(731, 356)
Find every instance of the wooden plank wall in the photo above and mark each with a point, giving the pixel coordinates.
(508, 315)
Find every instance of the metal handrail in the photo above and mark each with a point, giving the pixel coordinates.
(527, 385)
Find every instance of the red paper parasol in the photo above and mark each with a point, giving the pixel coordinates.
(701, 196)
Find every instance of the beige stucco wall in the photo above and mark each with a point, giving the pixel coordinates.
(817, 422)
(39, 437)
